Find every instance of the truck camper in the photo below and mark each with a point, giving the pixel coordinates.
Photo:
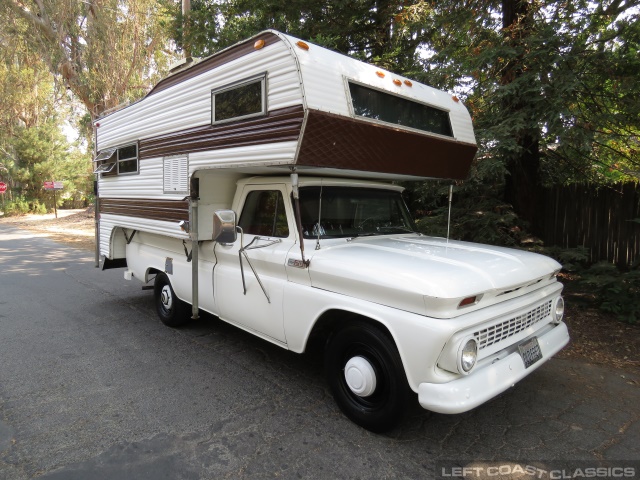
(260, 185)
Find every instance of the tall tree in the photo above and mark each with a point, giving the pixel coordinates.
(105, 51)
(33, 148)
(552, 88)
(371, 30)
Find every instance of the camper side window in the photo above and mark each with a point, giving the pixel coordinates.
(238, 101)
(117, 161)
(128, 159)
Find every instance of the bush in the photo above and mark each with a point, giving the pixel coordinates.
(573, 260)
(615, 291)
(22, 206)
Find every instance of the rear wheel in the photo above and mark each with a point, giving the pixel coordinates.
(366, 376)
(172, 311)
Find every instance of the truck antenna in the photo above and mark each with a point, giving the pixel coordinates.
(449, 219)
(319, 225)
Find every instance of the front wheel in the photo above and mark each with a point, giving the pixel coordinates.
(172, 311)
(366, 376)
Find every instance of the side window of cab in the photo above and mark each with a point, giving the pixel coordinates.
(264, 214)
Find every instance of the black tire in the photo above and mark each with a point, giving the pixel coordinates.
(172, 311)
(381, 410)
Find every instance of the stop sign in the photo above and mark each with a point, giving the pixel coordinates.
(3, 187)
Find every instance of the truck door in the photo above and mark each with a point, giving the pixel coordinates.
(268, 234)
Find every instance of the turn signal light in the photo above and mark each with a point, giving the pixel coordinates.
(468, 301)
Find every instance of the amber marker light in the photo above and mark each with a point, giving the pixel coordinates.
(408, 83)
(380, 74)
(302, 45)
(259, 44)
(397, 82)
(455, 99)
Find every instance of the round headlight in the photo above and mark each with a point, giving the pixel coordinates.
(558, 310)
(468, 355)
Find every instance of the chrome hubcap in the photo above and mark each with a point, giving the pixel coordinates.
(165, 297)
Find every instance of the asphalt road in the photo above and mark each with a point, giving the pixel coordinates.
(93, 386)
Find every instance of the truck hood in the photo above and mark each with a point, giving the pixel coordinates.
(426, 275)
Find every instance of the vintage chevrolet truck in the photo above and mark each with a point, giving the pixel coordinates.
(259, 185)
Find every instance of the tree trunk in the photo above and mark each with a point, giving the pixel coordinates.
(522, 184)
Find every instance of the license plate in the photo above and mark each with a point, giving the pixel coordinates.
(530, 352)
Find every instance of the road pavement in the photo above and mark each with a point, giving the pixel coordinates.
(93, 386)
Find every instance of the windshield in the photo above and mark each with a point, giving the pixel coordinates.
(333, 212)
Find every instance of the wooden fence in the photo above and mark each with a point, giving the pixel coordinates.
(598, 218)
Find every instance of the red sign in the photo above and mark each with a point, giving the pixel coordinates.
(3, 187)
(53, 185)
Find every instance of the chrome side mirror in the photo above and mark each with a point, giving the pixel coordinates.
(224, 226)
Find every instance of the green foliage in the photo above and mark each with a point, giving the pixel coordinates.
(615, 291)
(33, 148)
(475, 216)
(22, 206)
(372, 30)
(573, 260)
(608, 287)
(38, 154)
(105, 52)
(562, 73)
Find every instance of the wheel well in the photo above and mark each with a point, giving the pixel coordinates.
(149, 272)
(331, 321)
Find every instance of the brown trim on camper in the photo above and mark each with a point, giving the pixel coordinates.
(333, 141)
(167, 210)
(277, 126)
(214, 61)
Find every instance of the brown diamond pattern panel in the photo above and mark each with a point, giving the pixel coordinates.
(334, 141)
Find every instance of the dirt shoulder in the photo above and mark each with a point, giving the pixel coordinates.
(75, 228)
(595, 337)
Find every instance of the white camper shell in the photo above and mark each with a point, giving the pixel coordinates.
(256, 185)
(304, 118)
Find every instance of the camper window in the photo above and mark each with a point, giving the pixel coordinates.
(128, 159)
(385, 107)
(125, 158)
(238, 101)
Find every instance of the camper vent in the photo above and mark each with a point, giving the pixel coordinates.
(176, 175)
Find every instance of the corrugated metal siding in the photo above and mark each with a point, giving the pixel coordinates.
(188, 104)
(109, 222)
(278, 126)
(147, 184)
(106, 227)
(256, 155)
(162, 209)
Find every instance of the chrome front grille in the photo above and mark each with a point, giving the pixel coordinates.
(503, 330)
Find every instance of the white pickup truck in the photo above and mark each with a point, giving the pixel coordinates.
(457, 323)
(257, 185)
